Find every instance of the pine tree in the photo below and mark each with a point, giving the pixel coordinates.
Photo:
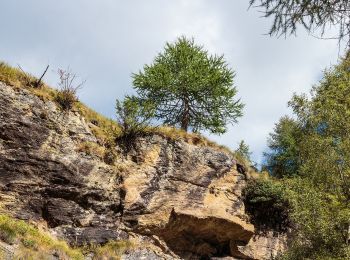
(190, 88)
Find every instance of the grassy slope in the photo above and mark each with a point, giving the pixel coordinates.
(33, 244)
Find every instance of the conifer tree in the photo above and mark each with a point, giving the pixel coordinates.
(190, 88)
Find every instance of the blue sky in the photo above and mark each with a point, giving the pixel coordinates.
(105, 41)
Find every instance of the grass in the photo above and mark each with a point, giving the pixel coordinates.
(103, 128)
(113, 250)
(91, 148)
(191, 138)
(13, 76)
(33, 244)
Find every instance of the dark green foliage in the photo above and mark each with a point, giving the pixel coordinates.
(283, 159)
(190, 88)
(267, 204)
(29, 243)
(314, 15)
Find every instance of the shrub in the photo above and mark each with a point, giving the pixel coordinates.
(134, 115)
(267, 204)
(66, 97)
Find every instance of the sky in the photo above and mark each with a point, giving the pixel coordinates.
(105, 41)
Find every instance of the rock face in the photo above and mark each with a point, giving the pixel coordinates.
(184, 199)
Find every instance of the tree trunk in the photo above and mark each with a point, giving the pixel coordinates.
(185, 115)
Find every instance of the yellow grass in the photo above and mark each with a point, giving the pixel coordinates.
(111, 250)
(91, 148)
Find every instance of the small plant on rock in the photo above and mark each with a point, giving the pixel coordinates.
(67, 93)
(134, 115)
(134, 118)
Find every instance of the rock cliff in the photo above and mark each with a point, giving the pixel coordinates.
(173, 199)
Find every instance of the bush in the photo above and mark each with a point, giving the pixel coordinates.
(316, 220)
(66, 96)
(66, 99)
(267, 204)
(134, 115)
(321, 222)
(7, 234)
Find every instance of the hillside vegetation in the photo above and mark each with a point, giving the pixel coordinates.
(309, 160)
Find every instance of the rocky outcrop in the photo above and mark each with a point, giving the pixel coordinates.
(185, 200)
(187, 195)
(264, 245)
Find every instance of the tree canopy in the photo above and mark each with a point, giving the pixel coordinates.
(314, 15)
(190, 88)
(283, 157)
(316, 146)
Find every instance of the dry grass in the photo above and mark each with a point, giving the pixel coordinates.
(105, 129)
(13, 76)
(113, 250)
(33, 244)
(102, 126)
(91, 148)
(191, 138)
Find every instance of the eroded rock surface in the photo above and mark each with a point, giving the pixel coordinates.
(185, 199)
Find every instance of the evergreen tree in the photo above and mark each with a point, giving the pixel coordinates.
(243, 151)
(190, 88)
